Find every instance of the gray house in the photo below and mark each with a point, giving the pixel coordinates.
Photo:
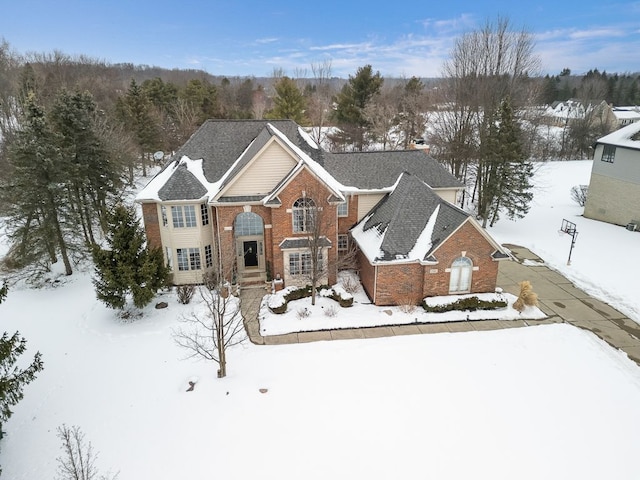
(614, 189)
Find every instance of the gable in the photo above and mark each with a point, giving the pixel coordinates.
(263, 173)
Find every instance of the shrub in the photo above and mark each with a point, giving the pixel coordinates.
(339, 295)
(331, 311)
(303, 313)
(350, 284)
(185, 293)
(579, 194)
(470, 304)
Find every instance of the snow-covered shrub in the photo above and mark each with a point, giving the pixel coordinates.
(278, 301)
(469, 303)
(579, 194)
(330, 311)
(185, 293)
(350, 283)
(303, 313)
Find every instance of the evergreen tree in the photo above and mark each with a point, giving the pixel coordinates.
(91, 173)
(35, 194)
(127, 267)
(289, 102)
(136, 112)
(356, 94)
(504, 175)
(12, 378)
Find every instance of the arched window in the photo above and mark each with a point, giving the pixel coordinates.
(304, 210)
(460, 279)
(248, 223)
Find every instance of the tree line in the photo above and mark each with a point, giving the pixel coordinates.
(75, 130)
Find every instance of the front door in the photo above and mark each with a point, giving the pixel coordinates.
(250, 253)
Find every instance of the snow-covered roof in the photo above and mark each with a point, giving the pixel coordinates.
(408, 224)
(628, 137)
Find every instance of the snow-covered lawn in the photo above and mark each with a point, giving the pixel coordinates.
(606, 259)
(550, 402)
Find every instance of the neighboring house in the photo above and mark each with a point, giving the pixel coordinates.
(237, 196)
(614, 188)
(626, 115)
(564, 113)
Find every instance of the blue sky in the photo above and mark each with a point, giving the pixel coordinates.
(247, 37)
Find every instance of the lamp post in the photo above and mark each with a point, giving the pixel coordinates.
(570, 229)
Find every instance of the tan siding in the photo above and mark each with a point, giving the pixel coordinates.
(264, 173)
(448, 195)
(367, 202)
(192, 237)
(611, 200)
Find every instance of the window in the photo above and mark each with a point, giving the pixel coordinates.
(204, 213)
(301, 264)
(169, 258)
(608, 153)
(188, 259)
(248, 223)
(183, 216)
(460, 279)
(304, 210)
(208, 257)
(163, 210)
(343, 209)
(343, 243)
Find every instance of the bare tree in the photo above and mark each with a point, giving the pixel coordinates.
(208, 334)
(316, 217)
(319, 105)
(78, 460)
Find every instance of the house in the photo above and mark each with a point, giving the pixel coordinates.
(626, 115)
(564, 113)
(614, 188)
(238, 196)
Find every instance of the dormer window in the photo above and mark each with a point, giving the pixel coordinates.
(304, 212)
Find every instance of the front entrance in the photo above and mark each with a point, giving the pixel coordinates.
(249, 234)
(250, 249)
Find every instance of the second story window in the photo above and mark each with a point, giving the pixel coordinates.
(608, 153)
(343, 209)
(183, 216)
(204, 213)
(304, 214)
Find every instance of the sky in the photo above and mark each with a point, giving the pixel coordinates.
(251, 38)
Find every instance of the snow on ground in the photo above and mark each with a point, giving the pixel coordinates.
(327, 314)
(549, 402)
(605, 259)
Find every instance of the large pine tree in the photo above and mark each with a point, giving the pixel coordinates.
(503, 180)
(127, 267)
(356, 94)
(289, 102)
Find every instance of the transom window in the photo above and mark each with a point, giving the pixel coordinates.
(460, 279)
(608, 153)
(304, 213)
(248, 223)
(183, 216)
(188, 259)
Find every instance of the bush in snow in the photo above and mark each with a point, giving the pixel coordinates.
(331, 311)
(579, 194)
(303, 313)
(185, 293)
(278, 302)
(470, 304)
